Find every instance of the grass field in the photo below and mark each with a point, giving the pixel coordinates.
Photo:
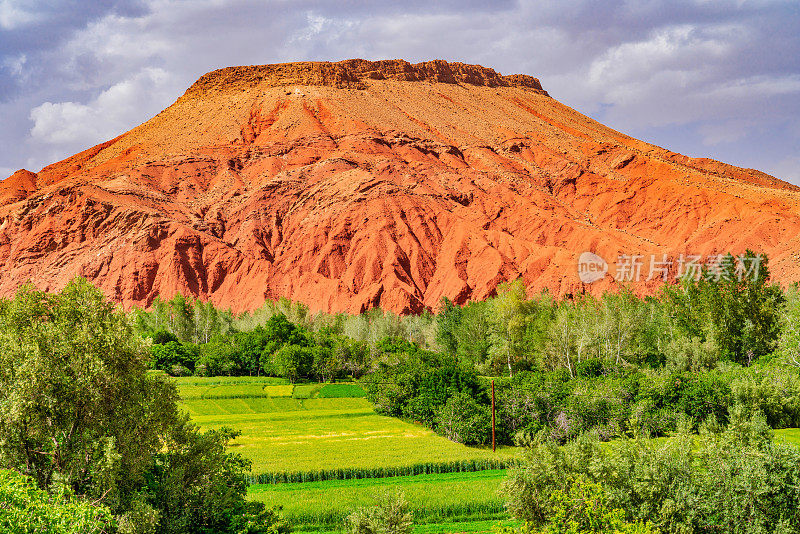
(433, 498)
(485, 525)
(788, 435)
(447, 527)
(310, 428)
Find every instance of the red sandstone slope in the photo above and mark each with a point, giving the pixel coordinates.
(356, 184)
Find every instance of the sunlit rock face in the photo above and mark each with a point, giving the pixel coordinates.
(359, 184)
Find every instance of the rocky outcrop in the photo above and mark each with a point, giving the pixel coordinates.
(354, 73)
(359, 184)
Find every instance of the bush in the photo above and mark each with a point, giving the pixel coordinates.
(465, 421)
(583, 509)
(389, 516)
(590, 368)
(734, 479)
(198, 487)
(773, 390)
(26, 509)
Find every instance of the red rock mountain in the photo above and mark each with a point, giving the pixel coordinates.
(356, 184)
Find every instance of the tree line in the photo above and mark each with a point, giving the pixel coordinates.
(617, 364)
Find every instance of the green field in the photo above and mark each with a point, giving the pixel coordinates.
(447, 527)
(308, 432)
(788, 435)
(433, 498)
(315, 428)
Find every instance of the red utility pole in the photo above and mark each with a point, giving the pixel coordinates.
(493, 443)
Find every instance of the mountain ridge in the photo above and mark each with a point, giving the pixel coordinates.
(343, 186)
(354, 72)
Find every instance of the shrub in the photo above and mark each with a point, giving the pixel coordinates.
(773, 390)
(26, 509)
(465, 421)
(389, 516)
(734, 479)
(590, 368)
(583, 509)
(199, 488)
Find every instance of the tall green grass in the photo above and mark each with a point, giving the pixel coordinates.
(338, 391)
(462, 466)
(432, 498)
(227, 380)
(242, 387)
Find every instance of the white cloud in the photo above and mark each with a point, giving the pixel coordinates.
(698, 69)
(115, 110)
(678, 49)
(758, 86)
(666, 78)
(13, 15)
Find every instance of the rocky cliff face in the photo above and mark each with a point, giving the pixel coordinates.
(358, 184)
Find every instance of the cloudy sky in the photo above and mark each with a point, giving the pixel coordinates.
(704, 77)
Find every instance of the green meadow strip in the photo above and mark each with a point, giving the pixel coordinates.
(420, 514)
(429, 468)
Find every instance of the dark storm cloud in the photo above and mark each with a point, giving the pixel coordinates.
(715, 78)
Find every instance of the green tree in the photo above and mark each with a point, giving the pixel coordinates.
(740, 312)
(326, 364)
(293, 362)
(448, 321)
(353, 355)
(188, 319)
(278, 333)
(79, 408)
(218, 357)
(26, 509)
(508, 319)
(789, 344)
(465, 421)
(174, 357)
(81, 414)
(472, 333)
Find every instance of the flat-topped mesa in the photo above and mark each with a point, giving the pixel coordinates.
(355, 72)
